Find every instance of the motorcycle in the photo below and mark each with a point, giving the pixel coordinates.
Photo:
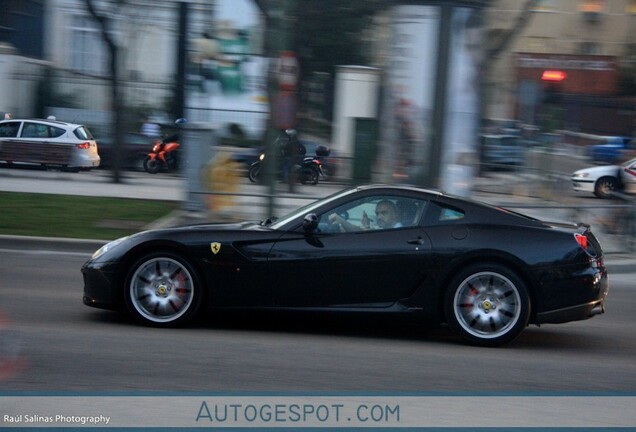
(164, 153)
(307, 171)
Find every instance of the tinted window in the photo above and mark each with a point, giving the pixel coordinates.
(34, 130)
(9, 129)
(39, 130)
(83, 133)
(440, 213)
(55, 132)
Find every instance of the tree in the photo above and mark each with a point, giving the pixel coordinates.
(105, 22)
(498, 42)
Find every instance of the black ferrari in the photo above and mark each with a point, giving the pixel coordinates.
(486, 271)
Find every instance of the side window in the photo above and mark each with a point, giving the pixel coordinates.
(9, 130)
(34, 130)
(374, 212)
(449, 214)
(55, 132)
(441, 214)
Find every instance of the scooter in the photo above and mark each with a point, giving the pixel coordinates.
(164, 153)
(307, 171)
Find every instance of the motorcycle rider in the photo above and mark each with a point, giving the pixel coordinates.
(293, 152)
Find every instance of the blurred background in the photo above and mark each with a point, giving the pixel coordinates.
(470, 96)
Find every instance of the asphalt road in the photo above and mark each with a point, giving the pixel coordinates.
(49, 341)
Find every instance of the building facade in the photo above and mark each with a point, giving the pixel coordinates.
(591, 42)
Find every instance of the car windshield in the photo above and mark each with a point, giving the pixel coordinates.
(629, 163)
(309, 208)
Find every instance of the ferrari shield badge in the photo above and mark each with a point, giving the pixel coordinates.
(215, 247)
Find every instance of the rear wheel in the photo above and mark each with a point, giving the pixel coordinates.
(162, 290)
(487, 305)
(605, 186)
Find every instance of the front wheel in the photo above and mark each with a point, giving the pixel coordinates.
(254, 172)
(163, 290)
(605, 186)
(151, 165)
(487, 305)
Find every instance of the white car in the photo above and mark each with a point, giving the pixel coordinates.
(605, 179)
(48, 143)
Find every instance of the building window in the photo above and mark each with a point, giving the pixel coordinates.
(88, 53)
(592, 9)
(545, 6)
(590, 48)
(592, 6)
(537, 44)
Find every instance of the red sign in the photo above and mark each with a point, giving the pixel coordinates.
(288, 70)
(582, 74)
(553, 75)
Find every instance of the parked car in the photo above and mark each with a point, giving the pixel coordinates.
(501, 152)
(605, 179)
(611, 149)
(486, 271)
(48, 143)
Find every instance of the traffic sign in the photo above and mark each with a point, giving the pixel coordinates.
(288, 70)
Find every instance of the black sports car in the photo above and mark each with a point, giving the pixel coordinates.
(486, 271)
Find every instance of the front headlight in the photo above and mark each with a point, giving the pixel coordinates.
(108, 246)
(580, 175)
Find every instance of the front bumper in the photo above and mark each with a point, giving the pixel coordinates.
(100, 286)
(583, 185)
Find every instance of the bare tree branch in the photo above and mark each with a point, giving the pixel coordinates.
(508, 36)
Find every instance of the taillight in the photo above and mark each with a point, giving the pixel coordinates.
(581, 240)
(83, 146)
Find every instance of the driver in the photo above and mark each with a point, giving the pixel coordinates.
(387, 216)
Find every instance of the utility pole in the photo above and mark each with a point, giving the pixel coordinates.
(278, 32)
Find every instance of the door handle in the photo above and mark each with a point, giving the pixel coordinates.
(417, 241)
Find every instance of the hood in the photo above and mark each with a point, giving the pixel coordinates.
(598, 170)
(238, 226)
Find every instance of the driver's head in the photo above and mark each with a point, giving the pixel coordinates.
(386, 214)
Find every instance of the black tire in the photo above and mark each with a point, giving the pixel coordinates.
(605, 186)
(487, 305)
(308, 175)
(151, 165)
(315, 175)
(163, 289)
(254, 172)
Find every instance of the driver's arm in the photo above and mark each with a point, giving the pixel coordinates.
(345, 226)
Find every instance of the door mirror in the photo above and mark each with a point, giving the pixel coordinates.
(310, 223)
